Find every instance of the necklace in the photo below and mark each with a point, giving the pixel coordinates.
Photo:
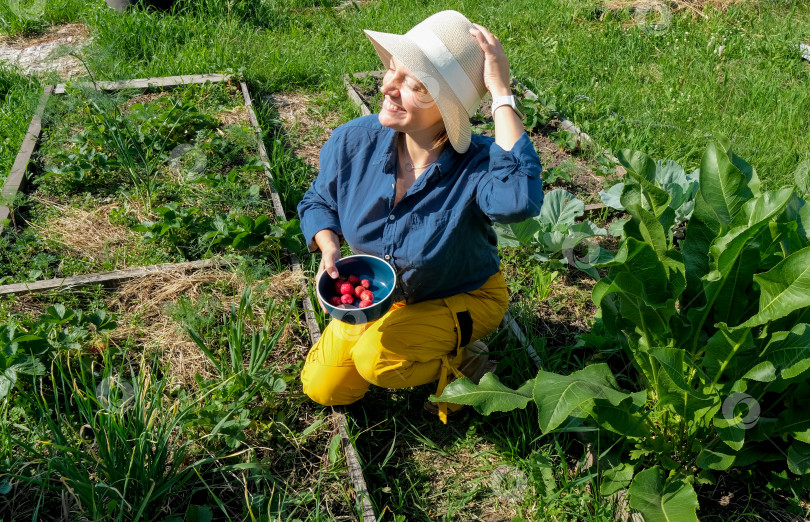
(409, 165)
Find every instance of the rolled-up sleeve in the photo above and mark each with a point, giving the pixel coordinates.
(318, 209)
(511, 190)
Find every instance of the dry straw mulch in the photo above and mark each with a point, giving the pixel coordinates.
(142, 307)
(86, 233)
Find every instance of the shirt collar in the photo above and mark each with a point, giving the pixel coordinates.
(448, 159)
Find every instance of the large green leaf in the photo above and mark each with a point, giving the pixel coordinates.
(729, 353)
(624, 418)
(651, 197)
(787, 355)
(558, 396)
(798, 458)
(731, 429)
(637, 162)
(488, 396)
(784, 288)
(734, 257)
(798, 211)
(649, 228)
(634, 304)
(726, 183)
(560, 207)
(616, 478)
(517, 234)
(674, 391)
(710, 459)
(724, 186)
(640, 260)
(660, 500)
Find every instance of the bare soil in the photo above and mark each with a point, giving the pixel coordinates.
(47, 52)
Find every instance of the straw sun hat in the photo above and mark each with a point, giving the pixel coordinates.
(446, 58)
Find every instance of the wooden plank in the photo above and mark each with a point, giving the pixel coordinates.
(353, 94)
(143, 83)
(361, 494)
(277, 206)
(16, 178)
(105, 278)
(309, 310)
(355, 470)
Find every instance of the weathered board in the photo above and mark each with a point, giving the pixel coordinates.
(16, 177)
(143, 83)
(104, 278)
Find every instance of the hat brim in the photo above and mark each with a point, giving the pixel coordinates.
(455, 117)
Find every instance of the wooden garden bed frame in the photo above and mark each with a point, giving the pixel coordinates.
(16, 182)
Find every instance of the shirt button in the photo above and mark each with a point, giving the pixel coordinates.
(391, 217)
(387, 256)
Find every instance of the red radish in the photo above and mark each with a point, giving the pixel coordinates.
(346, 299)
(346, 288)
(354, 280)
(366, 283)
(367, 296)
(335, 301)
(358, 290)
(338, 284)
(365, 303)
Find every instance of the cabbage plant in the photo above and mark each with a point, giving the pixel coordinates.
(717, 333)
(555, 236)
(663, 180)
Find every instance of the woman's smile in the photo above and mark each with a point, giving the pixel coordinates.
(391, 106)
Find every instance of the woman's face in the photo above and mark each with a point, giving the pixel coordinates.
(408, 107)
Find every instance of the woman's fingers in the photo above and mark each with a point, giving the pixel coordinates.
(496, 65)
(328, 260)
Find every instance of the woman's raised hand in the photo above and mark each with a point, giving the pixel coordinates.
(496, 65)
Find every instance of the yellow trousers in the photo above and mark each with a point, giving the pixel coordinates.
(410, 345)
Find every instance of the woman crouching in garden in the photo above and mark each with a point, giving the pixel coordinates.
(413, 186)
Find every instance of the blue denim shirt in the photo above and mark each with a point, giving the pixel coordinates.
(439, 237)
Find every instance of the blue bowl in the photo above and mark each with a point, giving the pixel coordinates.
(377, 271)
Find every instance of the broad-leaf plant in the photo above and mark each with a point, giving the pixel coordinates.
(716, 331)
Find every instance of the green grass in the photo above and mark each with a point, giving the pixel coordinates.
(18, 98)
(670, 89)
(28, 17)
(660, 93)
